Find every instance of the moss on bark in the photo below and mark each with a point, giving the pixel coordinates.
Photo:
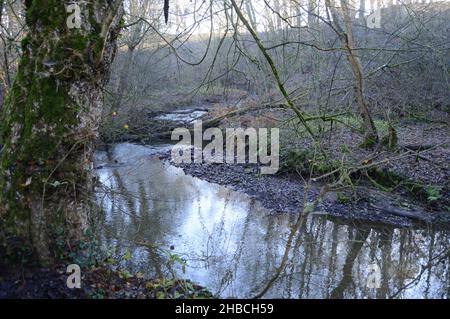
(49, 123)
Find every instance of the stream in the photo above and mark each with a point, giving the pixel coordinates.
(161, 222)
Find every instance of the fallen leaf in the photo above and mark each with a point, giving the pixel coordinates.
(27, 182)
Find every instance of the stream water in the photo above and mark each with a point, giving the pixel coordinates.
(168, 223)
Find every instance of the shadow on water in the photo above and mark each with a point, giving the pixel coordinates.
(159, 216)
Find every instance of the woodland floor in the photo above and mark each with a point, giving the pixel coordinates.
(97, 283)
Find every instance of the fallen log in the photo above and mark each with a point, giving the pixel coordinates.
(418, 147)
(215, 121)
(415, 215)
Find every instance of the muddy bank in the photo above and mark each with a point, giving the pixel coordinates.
(285, 194)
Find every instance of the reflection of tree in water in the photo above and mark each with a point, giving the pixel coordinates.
(355, 247)
(332, 265)
(136, 217)
(328, 258)
(233, 264)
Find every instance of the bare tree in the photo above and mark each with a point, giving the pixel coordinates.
(139, 11)
(346, 36)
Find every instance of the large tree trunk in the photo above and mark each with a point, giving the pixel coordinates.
(2, 89)
(49, 124)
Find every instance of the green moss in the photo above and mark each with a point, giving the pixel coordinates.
(434, 193)
(39, 117)
(51, 13)
(323, 167)
(382, 126)
(342, 198)
(78, 42)
(295, 161)
(388, 181)
(305, 162)
(390, 140)
(369, 141)
(385, 178)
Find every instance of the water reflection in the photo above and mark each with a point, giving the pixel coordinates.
(233, 246)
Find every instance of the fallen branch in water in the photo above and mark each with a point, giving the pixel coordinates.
(218, 119)
(404, 213)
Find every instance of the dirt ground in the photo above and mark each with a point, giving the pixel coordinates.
(96, 283)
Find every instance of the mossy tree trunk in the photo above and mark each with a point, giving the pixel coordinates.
(49, 124)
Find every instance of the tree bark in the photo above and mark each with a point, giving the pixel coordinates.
(49, 124)
(346, 36)
(2, 85)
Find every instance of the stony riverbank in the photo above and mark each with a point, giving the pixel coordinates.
(285, 193)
